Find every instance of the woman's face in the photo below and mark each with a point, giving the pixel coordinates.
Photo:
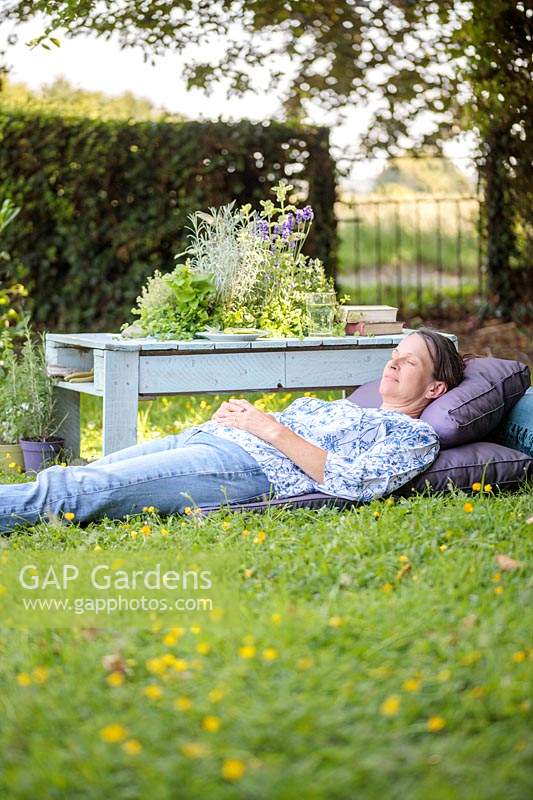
(408, 375)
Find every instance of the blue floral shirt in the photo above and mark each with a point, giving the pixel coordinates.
(370, 452)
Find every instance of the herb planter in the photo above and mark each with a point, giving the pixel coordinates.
(38, 453)
(11, 454)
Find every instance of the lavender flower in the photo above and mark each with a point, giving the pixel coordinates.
(308, 214)
(299, 216)
(261, 229)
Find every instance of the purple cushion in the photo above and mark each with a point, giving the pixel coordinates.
(481, 462)
(489, 390)
(478, 462)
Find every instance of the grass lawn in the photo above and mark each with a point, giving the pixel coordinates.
(379, 652)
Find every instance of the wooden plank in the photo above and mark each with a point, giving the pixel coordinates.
(336, 368)
(211, 372)
(67, 413)
(79, 388)
(98, 341)
(121, 399)
(71, 357)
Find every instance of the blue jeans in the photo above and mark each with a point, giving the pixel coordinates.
(194, 468)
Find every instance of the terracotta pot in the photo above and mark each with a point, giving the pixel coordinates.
(11, 454)
(38, 454)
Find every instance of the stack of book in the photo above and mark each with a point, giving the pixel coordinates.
(370, 320)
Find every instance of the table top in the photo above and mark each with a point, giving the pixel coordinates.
(114, 341)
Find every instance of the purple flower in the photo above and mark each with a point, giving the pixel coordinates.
(261, 229)
(285, 231)
(289, 222)
(276, 230)
(308, 213)
(299, 216)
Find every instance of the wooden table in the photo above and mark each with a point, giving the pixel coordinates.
(126, 371)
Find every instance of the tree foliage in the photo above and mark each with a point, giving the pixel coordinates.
(61, 97)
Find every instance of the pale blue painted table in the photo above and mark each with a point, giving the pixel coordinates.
(126, 371)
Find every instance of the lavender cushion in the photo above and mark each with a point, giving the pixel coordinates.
(481, 462)
(477, 462)
(489, 390)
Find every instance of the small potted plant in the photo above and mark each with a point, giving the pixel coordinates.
(36, 420)
(10, 450)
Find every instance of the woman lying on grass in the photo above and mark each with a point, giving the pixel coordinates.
(243, 453)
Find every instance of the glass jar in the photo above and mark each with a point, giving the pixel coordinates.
(320, 308)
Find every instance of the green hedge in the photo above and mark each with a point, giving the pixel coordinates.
(104, 203)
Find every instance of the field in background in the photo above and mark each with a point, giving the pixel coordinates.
(409, 250)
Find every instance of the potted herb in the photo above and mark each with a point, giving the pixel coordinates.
(255, 260)
(10, 450)
(36, 419)
(174, 305)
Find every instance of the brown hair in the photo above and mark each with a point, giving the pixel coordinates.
(448, 364)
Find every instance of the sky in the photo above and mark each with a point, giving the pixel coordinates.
(99, 65)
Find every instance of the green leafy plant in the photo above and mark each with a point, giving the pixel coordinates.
(176, 305)
(35, 417)
(9, 408)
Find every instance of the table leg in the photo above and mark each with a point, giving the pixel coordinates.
(67, 414)
(121, 399)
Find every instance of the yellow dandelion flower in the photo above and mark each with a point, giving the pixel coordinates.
(444, 675)
(164, 532)
(390, 707)
(203, 648)
(177, 632)
(169, 640)
(270, 653)
(216, 695)
(498, 590)
(12, 465)
(69, 515)
(155, 665)
(225, 525)
(497, 577)
(211, 724)
(487, 488)
(152, 692)
(412, 685)
(187, 510)
(193, 750)
(246, 532)
(23, 679)
(134, 534)
(182, 703)
(97, 548)
(132, 747)
(146, 530)
(376, 515)
(40, 674)
(276, 619)
(435, 723)
(115, 678)
(335, 622)
(196, 629)
(113, 733)
(247, 651)
(249, 572)
(443, 547)
(180, 665)
(233, 769)
(260, 538)
(389, 501)
(468, 508)
(476, 487)
(519, 656)
(168, 659)
(403, 559)
(304, 663)
(387, 587)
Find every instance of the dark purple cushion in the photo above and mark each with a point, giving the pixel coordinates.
(478, 462)
(490, 389)
(460, 467)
